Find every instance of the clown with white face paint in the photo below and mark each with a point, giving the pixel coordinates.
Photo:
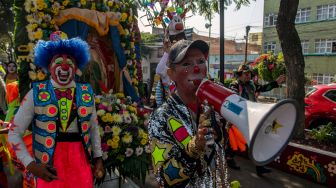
(65, 127)
(62, 69)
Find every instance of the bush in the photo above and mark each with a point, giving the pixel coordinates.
(324, 133)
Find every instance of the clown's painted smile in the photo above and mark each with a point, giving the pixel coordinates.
(62, 69)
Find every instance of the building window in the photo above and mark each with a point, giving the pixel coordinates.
(305, 46)
(255, 37)
(323, 78)
(324, 45)
(303, 15)
(270, 19)
(269, 47)
(325, 12)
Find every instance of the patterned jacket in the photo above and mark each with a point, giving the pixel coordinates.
(171, 127)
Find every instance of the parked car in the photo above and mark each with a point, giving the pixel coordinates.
(320, 105)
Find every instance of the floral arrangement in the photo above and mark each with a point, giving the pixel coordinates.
(269, 66)
(124, 135)
(40, 16)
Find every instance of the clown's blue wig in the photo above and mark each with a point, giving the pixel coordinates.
(75, 47)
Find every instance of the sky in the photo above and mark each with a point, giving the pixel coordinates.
(234, 24)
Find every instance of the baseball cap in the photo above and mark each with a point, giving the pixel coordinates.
(180, 48)
(244, 68)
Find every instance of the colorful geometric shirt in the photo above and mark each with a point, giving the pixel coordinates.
(171, 128)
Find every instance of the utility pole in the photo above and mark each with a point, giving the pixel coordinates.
(208, 26)
(221, 48)
(246, 37)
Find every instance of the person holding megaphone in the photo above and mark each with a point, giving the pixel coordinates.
(186, 151)
(247, 88)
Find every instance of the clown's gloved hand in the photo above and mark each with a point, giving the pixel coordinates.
(98, 170)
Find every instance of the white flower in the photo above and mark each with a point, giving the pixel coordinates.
(147, 149)
(47, 17)
(129, 152)
(127, 118)
(123, 106)
(118, 101)
(134, 117)
(138, 151)
(100, 112)
(28, 5)
(105, 156)
(32, 66)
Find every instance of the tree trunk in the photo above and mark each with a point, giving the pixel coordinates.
(291, 47)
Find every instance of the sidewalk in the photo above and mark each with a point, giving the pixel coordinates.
(248, 178)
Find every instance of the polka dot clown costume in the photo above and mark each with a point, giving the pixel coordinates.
(63, 116)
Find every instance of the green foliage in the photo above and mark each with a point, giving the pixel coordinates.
(227, 82)
(325, 133)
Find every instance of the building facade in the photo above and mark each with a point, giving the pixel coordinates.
(316, 25)
(234, 54)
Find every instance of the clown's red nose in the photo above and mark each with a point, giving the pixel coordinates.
(196, 69)
(65, 67)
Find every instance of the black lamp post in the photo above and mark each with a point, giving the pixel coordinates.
(221, 48)
(247, 32)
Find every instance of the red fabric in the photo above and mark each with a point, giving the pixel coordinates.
(12, 91)
(72, 166)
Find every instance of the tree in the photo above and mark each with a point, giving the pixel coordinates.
(291, 47)
(6, 29)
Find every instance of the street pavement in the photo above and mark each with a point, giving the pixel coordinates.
(246, 176)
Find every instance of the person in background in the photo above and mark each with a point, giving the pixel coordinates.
(249, 89)
(162, 83)
(63, 116)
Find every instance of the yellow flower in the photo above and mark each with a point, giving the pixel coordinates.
(116, 139)
(38, 34)
(41, 14)
(34, 26)
(145, 136)
(114, 145)
(123, 17)
(117, 118)
(93, 6)
(97, 100)
(29, 18)
(105, 119)
(65, 3)
(116, 130)
(83, 2)
(143, 141)
(120, 95)
(141, 133)
(109, 117)
(127, 138)
(109, 142)
(110, 3)
(132, 109)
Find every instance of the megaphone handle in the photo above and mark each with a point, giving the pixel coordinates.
(215, 125)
